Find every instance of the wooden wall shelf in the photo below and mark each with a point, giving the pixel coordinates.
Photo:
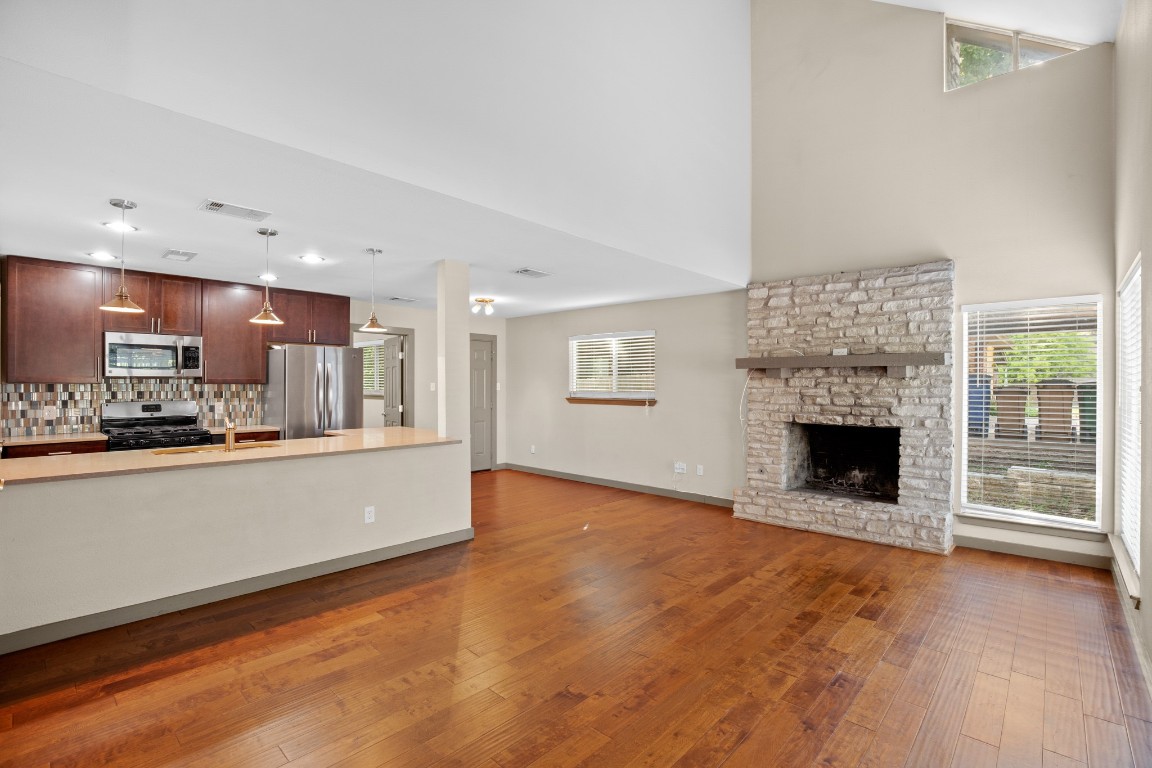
(897, 363)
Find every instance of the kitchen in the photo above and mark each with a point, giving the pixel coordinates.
(92, 492)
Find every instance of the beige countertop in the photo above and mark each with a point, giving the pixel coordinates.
(109, 464)
(69, 437)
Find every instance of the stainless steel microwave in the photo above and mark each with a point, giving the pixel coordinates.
(151, 355)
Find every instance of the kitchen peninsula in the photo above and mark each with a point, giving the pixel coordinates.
(94, 540)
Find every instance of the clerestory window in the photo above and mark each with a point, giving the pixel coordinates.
(973, 53)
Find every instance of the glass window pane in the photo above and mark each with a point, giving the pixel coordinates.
(976, 54)
(1035, 51)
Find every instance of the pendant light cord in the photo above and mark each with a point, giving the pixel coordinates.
(123, 223)
(267, 268)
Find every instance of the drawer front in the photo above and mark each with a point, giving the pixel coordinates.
(55, 449)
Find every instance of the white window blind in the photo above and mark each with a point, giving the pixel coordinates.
(1030, 409)
(613, 365)
(1128, 422)
(373, 367)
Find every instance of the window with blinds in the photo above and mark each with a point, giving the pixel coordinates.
(1128, 421)
(373, 368)
(613, 365)
(1031, 372)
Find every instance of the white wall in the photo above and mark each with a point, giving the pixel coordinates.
(1133, 218)
(860, 159)
(695, 419)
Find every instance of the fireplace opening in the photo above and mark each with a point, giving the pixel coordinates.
(863, 462)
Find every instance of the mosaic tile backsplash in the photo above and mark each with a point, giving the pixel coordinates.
(22, 407)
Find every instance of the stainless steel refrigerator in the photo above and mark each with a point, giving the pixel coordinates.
(313, 389)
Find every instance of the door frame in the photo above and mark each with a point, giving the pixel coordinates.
(408, 385)
(495, 394)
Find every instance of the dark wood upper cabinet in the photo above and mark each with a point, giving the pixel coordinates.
(52, 321)
(171, 303)
(234, 351)
(310, 318)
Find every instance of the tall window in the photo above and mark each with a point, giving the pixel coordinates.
(975, 53)
(1031, 370)
(1128, 422)
(613, 366)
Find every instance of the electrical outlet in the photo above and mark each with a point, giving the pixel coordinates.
(700, 470)
(680, 468)
(369, 514)
(532, 449)
(50, 412)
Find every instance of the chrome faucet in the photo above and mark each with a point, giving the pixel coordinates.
(229, 434)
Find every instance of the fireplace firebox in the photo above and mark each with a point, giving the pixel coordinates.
(862, 462)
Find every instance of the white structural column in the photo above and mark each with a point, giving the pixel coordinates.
(452, 358)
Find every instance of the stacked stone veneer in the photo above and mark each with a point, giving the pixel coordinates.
(904, 309)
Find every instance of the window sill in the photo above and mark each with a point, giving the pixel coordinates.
(992, 520)
(607, 401)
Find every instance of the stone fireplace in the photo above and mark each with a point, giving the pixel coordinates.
(861, 448)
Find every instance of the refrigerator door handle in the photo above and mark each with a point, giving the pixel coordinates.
(319, 403)
(329, 396)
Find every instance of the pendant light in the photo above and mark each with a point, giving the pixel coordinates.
(121, 302)
(373, 325)
(266, 316)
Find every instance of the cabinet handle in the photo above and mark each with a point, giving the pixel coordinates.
(249, 440)
(59, 453)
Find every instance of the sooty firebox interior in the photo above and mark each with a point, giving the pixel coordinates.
(853, 461)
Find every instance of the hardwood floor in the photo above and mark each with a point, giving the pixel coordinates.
(599, 627)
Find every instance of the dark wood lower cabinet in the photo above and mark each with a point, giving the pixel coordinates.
(266, 436)
(233, 347)
(65, 448)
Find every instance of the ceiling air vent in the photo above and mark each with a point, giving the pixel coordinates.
(238, 211)
(529, 272)
(402, 299)
(174, 254)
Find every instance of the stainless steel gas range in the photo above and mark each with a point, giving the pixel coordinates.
(152, 424)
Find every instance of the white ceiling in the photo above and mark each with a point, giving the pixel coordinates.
(1078, 21)
(606, 142)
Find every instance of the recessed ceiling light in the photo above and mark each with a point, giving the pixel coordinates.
(268, 276)
(102, 256)
(311, 258)
(119, 226)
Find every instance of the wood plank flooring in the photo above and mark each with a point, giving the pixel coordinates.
(589, 626)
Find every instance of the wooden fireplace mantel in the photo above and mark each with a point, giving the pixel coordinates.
(897, 363)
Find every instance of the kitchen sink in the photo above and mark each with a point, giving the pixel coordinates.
(213, 448)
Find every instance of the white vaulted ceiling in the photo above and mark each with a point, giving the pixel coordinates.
(606, 142)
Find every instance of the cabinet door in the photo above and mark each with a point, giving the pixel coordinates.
(52, 323)
(233, 347)
(179, 310)
(330, 319)
(139, 285)
(294, 308)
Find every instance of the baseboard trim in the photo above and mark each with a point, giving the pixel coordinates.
(26, 638)
(1033, 550)
(715, 501)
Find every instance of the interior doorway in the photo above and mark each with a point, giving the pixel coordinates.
(482, 398)
(388, 377)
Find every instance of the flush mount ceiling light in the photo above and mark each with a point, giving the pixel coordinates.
(121, 302)
(311, 258)
(267, 277)
(485, 304)
(266, 316)
(102, 256)
(373, 325)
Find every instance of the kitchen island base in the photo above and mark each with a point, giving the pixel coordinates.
(104, 549)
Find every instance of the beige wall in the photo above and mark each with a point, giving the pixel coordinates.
(860, 159)
(1133, 222)
(695, 420)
